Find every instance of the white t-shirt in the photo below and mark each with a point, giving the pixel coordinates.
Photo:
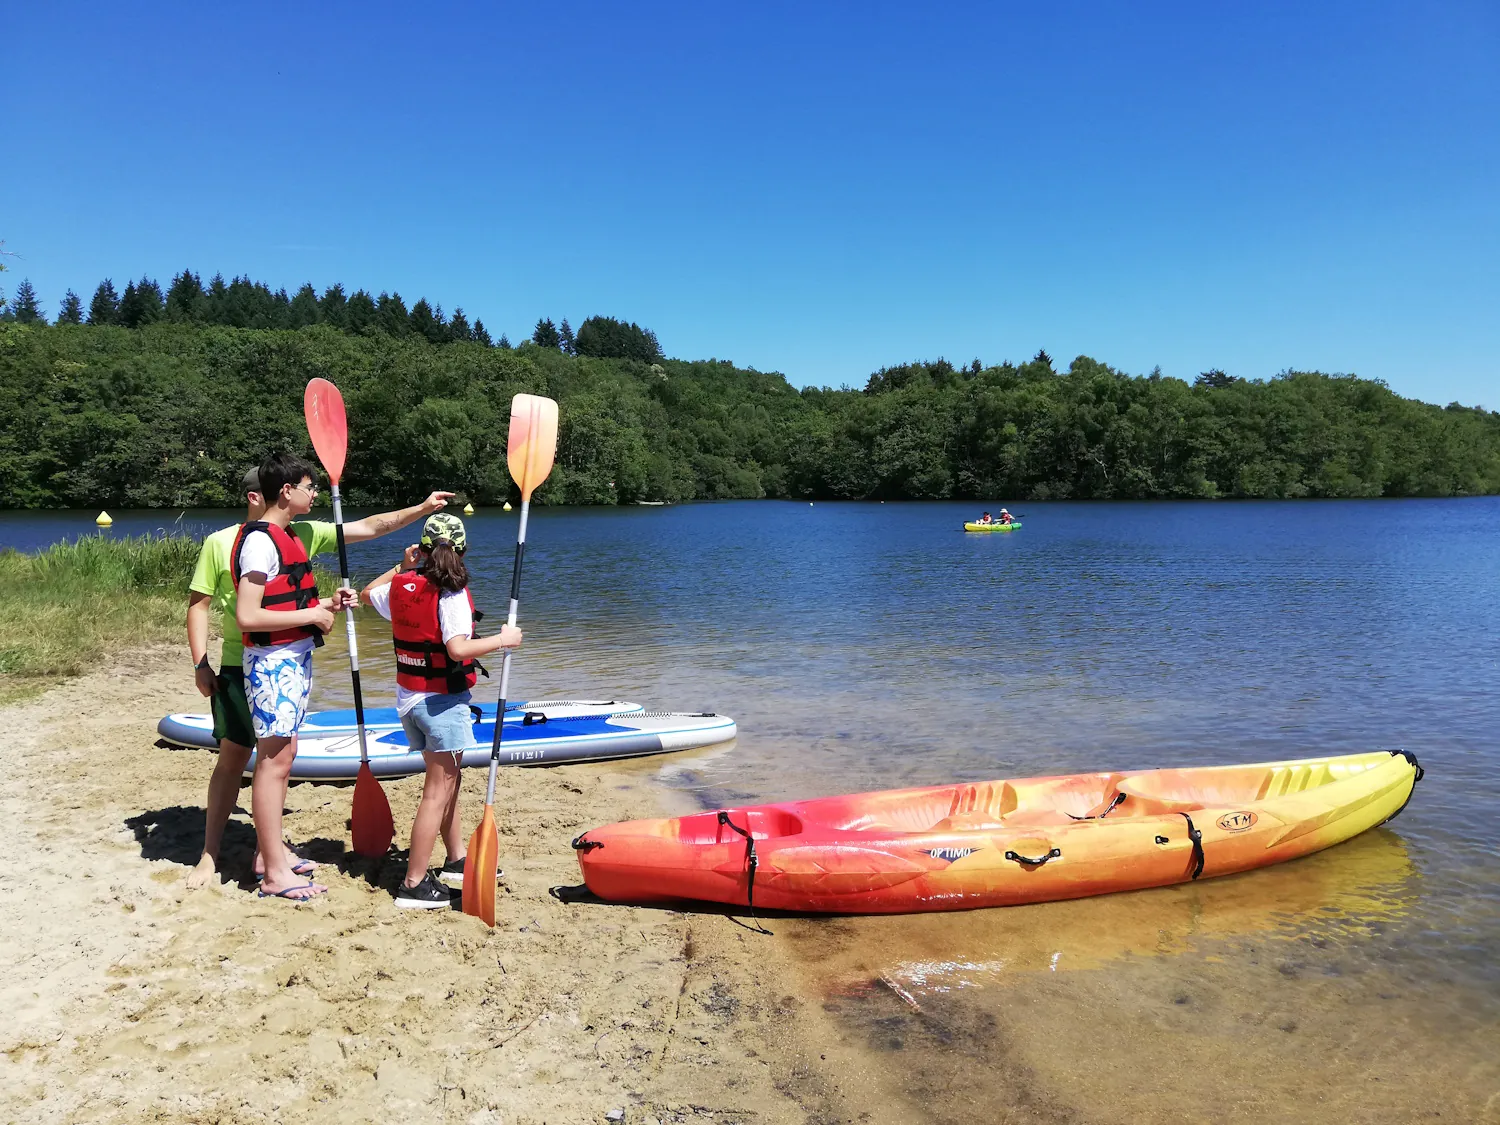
(455, 616)
(258, 556)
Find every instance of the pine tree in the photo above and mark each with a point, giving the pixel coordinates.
(391, 315)
(565, 337)
(24, 307)
(333, 309)
(215, 299)
(72, 309)
(141, 305)
(105, 307)
(303, 310)
(458, 326)
(185, 299)
(427, 324)
(481, 334)
(361, 314)
(544, 335)
(504, 342)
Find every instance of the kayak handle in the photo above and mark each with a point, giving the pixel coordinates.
(1033, 860)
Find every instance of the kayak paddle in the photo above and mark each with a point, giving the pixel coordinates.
(530, 452)
(370, 824)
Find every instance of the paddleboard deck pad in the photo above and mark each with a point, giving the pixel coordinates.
(545, 741)
(188, 730)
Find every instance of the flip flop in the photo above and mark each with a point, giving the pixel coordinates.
(286, 894)
(303, 867)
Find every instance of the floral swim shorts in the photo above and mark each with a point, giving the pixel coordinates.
(277, 686)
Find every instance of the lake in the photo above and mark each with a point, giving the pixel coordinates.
(867, 646)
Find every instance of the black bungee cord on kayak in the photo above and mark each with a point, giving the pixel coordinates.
(1421, 773)
(1196, 836)
(752, 861)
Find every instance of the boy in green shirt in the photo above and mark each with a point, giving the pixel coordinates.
(212, 591)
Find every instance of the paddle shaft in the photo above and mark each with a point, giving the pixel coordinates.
(515, 601)
(359, 698)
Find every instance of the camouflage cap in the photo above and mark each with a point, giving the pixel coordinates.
(444, 525)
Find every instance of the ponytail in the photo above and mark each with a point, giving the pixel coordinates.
(444, 568)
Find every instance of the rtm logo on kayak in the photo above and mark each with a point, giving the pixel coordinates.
(1237, 821)
(950, 854)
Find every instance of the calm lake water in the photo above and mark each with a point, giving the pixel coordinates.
(866, 646)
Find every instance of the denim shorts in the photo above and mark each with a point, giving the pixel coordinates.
(440, 722)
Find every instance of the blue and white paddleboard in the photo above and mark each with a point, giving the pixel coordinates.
(187, 729)
(551, 742)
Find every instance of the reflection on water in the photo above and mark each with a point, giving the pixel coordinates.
(1340, 896)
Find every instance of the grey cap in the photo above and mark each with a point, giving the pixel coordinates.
(250, 482)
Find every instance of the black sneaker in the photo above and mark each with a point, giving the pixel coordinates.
(426, 895)
(453, 873)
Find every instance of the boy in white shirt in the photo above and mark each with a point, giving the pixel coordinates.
(281, 621)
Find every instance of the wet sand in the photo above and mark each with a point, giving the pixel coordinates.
(131, 998)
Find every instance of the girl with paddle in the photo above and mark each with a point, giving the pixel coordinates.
(427, 600)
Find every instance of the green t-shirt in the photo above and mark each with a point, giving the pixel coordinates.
(211, 576)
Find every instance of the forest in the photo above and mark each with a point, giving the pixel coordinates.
(152, 398)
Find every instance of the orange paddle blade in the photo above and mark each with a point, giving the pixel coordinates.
(327, 425)
(480, 867)
(371, 823)
(533, 441)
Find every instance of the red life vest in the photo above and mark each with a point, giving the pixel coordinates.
(293, 588)
(422, 660)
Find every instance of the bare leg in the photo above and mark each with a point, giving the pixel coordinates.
(453, 839)
(439, 796)
(273, 768)
(223, 793)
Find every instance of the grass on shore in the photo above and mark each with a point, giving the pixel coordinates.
(66, 608)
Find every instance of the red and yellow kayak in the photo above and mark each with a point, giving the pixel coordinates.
(999, 843)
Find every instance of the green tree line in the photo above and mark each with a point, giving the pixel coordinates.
(242, 303)
(168, 414)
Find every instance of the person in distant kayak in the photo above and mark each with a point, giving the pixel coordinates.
(212, 591)
(986, 518)
(426, 599)
(1006, 517)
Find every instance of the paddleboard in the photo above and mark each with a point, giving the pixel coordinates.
(188, 729)
(555, 741)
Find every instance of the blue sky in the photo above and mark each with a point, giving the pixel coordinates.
(815, 189)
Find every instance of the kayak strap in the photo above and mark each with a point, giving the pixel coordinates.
(1119, 797)
(1421, 773)
(582, 844)
(751, 863)
(1196, 836)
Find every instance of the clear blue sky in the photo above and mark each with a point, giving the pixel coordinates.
(815, 189)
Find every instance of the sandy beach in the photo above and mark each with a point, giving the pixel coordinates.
(133, 999)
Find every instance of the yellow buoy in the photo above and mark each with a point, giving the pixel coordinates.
(468, 509)
(507, 506)
(103, 520)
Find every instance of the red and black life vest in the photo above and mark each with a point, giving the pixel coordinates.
(422, 660)
(293, 588)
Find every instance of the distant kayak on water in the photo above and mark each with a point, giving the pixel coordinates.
(996, 526)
